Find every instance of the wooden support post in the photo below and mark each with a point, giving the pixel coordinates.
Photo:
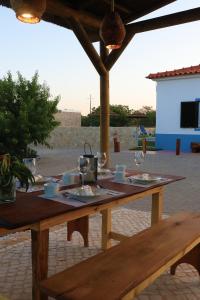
(144, 146)
(105, 106)
(116, 145)
(178, 146)
(40, 247)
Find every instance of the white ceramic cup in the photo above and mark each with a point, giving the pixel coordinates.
(70, 178)
(120, 168)
(120, 176)
(51, 189)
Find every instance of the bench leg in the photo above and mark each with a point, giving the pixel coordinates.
(82, 226)
(192, 258)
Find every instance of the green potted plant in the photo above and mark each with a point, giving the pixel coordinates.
(11, 168)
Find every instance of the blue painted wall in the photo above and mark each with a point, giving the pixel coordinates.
(168, 141)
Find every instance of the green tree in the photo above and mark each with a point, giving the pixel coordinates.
(150, 117)
(26, 114)
(119, 116)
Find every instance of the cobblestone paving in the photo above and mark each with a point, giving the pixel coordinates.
(15, 258)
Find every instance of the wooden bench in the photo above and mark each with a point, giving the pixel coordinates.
(195, 147)
(123, 271)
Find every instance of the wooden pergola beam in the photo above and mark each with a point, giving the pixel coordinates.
(86, 3)
(115, 54)
(152, 24)
(84, 40)
(119, 7)
(65, 23)
(136, 15)
(98, 62)
(165, 21)
(61, 10)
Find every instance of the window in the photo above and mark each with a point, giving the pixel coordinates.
(190, 114)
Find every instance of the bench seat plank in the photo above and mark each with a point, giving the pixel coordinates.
(130, 266)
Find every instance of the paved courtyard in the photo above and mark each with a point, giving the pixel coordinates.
(15, 257)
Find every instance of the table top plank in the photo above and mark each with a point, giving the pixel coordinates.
(29, 208)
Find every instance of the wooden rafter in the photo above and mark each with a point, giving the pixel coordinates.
(152, 24)
(65, 23)
(86, 3)
(137, 14)
(165, 21)
(58, 9)
(84, 40)
(119, 7)
(115, 54)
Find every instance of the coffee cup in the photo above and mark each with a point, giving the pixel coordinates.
(120, 168)
(120, 176)
(51, 189)
(70, 178)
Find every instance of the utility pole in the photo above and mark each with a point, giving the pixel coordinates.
(90, 98)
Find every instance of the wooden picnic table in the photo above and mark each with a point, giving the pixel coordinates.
(30, 211)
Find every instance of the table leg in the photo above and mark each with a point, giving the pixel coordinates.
(106, 228)
(157, 207)
(40, 246)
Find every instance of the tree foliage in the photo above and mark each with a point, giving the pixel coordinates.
(150, 113)
(26, 114)
(122, 115)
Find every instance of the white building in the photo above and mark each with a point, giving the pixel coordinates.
(177, 112)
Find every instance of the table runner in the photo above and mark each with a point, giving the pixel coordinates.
(70, 200)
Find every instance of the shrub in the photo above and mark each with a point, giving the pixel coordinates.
(26, 114)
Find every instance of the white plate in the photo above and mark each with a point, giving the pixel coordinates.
(78, 193)
(146, 179)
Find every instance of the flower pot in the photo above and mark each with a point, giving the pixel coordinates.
(8, 192)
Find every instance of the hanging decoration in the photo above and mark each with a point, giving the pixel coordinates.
(112, 29)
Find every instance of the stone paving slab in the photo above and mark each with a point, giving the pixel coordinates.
(15, 259)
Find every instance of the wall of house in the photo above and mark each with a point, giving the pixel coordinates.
(170, 93)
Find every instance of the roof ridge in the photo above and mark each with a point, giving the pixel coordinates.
(176, 72)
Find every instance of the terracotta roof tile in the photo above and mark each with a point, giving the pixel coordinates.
(178, 72)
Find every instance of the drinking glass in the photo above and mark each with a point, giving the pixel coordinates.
(139, 158)
(83, 166)
(101, 160)
(30, 163)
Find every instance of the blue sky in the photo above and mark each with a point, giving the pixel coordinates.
(63, 64)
